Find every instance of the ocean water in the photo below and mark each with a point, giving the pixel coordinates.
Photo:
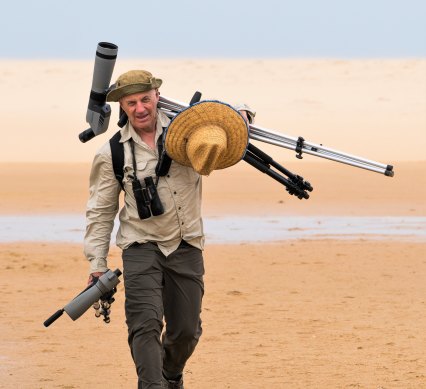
(231, 230)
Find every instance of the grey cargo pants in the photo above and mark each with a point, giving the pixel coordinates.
(157, 287)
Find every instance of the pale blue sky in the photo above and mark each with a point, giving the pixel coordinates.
(215, 28)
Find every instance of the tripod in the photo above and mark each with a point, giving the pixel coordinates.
(300, 145)
(295, 185)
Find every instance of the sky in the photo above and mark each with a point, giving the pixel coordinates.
(57, 29)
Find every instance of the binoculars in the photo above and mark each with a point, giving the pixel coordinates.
(147, 200)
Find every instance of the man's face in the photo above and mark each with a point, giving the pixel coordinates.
(141, 109)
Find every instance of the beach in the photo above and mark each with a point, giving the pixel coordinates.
(291, 313)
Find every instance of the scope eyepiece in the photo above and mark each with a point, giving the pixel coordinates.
(107, 46)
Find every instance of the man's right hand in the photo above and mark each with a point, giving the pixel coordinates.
(95, 274)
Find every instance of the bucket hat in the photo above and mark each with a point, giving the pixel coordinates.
(244, 107)
(207, 136)
(133, 81)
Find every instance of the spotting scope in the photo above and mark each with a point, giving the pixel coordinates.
(101, 288)
(98, 112)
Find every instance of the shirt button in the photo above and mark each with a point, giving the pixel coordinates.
(180, 208)
(182, 223)
(168, 175)
(174, 192)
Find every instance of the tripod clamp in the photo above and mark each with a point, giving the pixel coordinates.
(299, 147)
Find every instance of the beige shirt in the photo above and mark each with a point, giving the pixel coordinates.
(179, 191)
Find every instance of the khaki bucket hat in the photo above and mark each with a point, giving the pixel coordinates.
(134, 81)
(244, 107)
(207, 136)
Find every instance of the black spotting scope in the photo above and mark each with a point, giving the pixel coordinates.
(98, 112)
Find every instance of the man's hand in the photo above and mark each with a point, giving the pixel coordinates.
(96, 274)
(245, 116)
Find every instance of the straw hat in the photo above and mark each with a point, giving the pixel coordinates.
(134, 81)
(208, 135)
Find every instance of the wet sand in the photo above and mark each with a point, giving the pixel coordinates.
(303, 314)
(43, 188)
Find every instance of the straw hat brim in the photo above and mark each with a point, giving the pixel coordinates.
(207, 116)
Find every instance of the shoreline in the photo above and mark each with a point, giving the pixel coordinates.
(231, 229)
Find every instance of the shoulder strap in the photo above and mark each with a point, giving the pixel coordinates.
(117, 154)
(164, 161)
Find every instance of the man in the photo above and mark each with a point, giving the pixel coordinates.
(162, 258)
(162, 251)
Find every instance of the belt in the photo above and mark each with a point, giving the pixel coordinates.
(183, 243)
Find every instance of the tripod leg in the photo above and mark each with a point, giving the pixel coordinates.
(294, 178)
(264, 168)
(265, 157)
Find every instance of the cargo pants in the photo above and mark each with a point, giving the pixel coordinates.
(162, 289)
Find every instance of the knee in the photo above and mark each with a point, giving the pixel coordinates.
(145, 328)
(186, 333)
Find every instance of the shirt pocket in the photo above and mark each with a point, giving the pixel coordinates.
(141, 173)
(145, 169)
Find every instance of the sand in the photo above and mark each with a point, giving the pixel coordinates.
(371, 108)
(42, 188)
(305, 314)
(290, 314)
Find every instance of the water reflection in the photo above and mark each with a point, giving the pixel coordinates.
(70, 228)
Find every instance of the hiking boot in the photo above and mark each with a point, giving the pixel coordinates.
(170, 384)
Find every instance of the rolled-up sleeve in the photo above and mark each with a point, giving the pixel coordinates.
(102, 208)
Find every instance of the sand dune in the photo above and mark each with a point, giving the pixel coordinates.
(370, 108)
